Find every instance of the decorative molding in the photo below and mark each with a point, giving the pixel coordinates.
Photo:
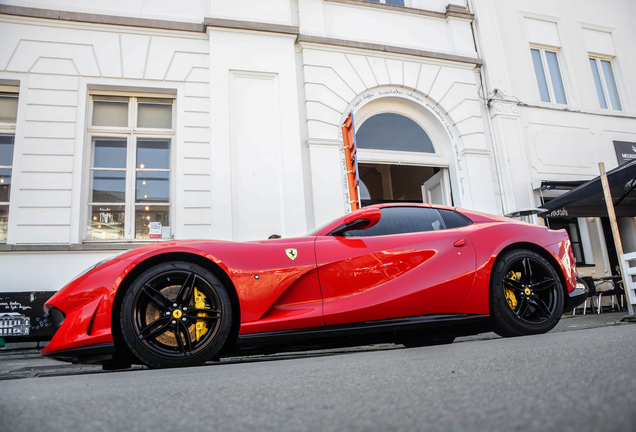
(69, 247)
(451, 10)
(323, 142)
(101, 19)
(458, 12)
(253, 26)
(388, 49)
(385, 6)
(504, 107)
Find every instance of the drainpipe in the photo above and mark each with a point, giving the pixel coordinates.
(491, 129)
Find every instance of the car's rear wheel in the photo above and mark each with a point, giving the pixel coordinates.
(176, 314)
(526, 294)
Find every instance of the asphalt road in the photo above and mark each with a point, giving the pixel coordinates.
(564, 381)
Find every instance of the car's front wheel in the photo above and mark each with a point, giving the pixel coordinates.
(176, 314)
(526, 294)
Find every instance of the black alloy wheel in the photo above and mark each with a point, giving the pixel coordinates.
(526, 294)
(176, 314)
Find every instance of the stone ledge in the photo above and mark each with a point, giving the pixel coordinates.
(458, 12)
(385, 6)
(101, 19)
(389, 49)
(250, 25)
(69, 247)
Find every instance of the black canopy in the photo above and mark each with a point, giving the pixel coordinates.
(587, 200)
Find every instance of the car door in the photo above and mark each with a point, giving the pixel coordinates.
(408, 264)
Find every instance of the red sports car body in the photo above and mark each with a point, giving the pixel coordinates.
(411, 274)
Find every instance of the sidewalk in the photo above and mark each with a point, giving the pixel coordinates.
(24, 360)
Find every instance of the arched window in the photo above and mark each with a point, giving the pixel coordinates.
(388, 131)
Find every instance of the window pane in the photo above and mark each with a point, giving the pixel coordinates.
(400, 220)
(154, 116)
(108, 186)
(555, 76)
(110, 113)
(597, 83)
(454, 219)
(106, 222)
(8, 109)
(395, 2)
(6, 150)
(109, 153)
(144, 215)
(388, 131)
(5, 184)
(4, 219)
(153, 186)
(611, 84)
(153, 154)
(538, 70)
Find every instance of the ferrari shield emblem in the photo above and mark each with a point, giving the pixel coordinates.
(292, 254)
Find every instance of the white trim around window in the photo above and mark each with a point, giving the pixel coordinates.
(605, 82)
(549, 76)
(129, 176)
(8, 115)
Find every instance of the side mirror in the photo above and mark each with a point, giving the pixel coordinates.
(362, 220)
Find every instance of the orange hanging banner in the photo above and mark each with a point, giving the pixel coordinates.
(349, 140)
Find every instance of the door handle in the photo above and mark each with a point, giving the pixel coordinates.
(460, 243)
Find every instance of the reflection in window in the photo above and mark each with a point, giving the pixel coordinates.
(395, 132)
(154, 115)
(402, 220)
(605, 83)
(129, 175)
(6, 162)
(548, 74)
(571, 225)
(8, 108)
(110, 111)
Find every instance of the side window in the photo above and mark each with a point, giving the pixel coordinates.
(454, 219)
(401, 220)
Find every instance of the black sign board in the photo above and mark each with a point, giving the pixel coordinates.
(625, 152)
(22, 316)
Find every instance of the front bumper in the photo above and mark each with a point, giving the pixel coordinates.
(98, 353)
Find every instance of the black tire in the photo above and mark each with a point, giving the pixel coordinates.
(526, 294)
(164, 306)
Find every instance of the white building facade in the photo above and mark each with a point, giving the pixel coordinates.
(128, 123)
(558, 85)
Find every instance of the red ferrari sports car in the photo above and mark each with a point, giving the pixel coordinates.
(410, 274)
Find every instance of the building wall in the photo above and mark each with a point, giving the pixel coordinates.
(260, 91)
(537, 140)
(551, 141)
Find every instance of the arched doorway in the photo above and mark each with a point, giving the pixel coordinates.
(397, 159)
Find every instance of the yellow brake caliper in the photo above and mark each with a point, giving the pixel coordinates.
(510, 295)
(199, 303)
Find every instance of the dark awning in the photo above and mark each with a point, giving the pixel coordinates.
(587, 200)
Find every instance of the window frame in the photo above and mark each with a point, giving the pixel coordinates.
(546, 73)
(566, 223)
(598, 59)
(8, 129)
(390, 4)
(131, 133)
